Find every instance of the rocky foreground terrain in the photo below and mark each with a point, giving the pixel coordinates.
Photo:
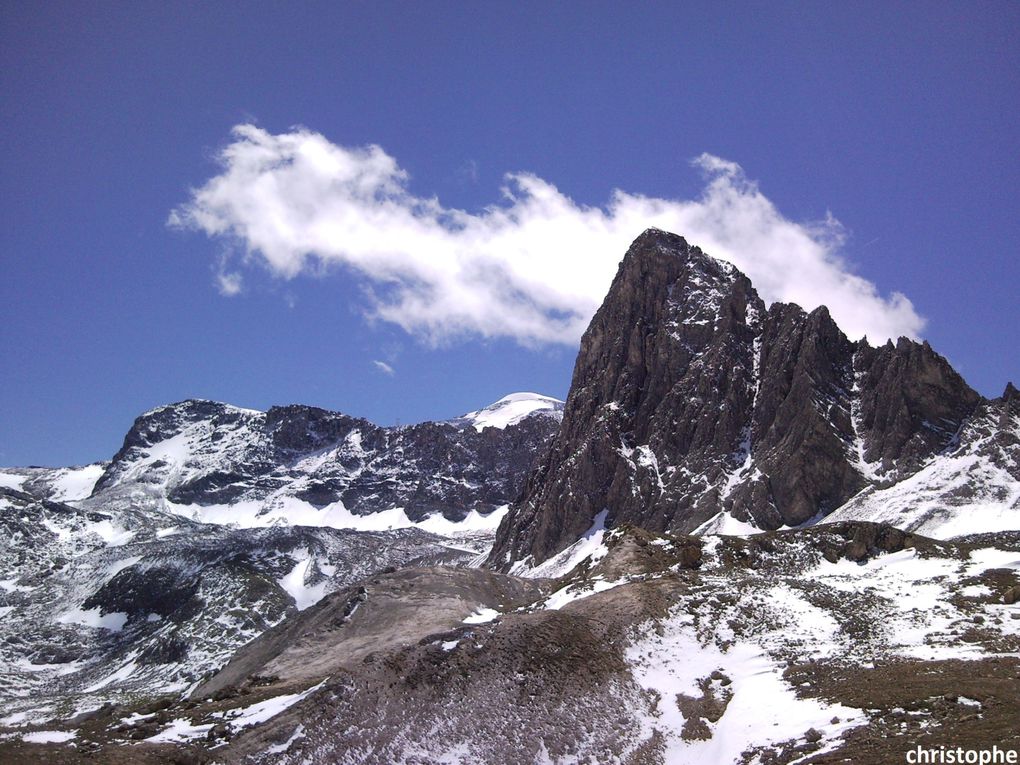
(847, 642)
(751, 540)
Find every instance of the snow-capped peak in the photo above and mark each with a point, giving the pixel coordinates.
(511, 409)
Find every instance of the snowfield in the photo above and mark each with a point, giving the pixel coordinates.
(510, 410)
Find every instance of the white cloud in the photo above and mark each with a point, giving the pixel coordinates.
(533, 267)
(229, 283)
(383, 367)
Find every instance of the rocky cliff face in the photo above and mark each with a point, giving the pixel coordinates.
(693, 403)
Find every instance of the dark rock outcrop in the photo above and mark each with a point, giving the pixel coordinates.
(690, 398)
(912, 403)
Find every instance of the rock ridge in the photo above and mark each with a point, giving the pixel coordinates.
(694, 405)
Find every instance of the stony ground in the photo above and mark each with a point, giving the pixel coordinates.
(845, 643)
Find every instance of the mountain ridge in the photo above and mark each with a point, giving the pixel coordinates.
(300, 585)
(198, 454)
(139, 576)
(690, 399)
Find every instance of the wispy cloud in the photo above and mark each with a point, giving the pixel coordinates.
(532, 267)
(383, 367)
(229, 283)
(469, 171)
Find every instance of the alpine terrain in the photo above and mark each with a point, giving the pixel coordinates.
(744, 538)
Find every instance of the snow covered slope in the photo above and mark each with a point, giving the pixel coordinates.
(511, 409)
(102, 607)
(70, 484)
(973, 487)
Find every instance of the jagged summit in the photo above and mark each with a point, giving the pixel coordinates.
(693, 405)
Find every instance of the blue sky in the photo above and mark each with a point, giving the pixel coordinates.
(897, 119)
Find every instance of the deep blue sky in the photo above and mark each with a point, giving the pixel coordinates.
(899, 118)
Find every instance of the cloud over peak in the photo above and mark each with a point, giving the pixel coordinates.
(533, 267)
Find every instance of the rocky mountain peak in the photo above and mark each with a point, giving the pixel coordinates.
(911, 404)
(164, 424)
(673, 339)
(693, 406)
(169, 420)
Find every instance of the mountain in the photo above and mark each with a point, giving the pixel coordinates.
(694, 407)
(137, 577)
(511, 410)
(724, 553)
(214, 462)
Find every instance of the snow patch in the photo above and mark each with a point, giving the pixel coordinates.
(111, 534)
(12, 481)
(991, 557)
(49, 736)
(94, 618)
(921, 620)
(722, 523)
(474, 521)
(266, 710)
(590, 545)
(976, 591)
(117, 566)
(510, 410)
(482, 615)
(294, 583)
(75, 483)
(181, 730)
(299, 733)
(575, 591)
(10, 585)
(282, 510)
(763, 709)
(123, 673)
